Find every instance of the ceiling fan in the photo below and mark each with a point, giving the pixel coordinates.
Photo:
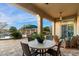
(60, 16)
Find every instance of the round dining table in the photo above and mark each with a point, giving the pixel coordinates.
(41, 47)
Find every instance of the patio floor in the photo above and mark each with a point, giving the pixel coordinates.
(13, 48)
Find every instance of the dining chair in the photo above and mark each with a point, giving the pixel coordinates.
(26, 50)
(74, 41)
(30, 39)
(56, 52)
(56, 39)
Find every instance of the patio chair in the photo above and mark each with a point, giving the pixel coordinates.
(56, 39)
(73, 42)
(26, 50)
(30, 39)
(56, 52)
(78, 42)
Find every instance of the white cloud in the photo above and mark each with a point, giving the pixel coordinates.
(10, 15)
(9, 19)
(4, 17)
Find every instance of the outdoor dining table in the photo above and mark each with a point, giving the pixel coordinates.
(42, 47)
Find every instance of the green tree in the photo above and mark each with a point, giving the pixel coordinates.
(46, 29)
(15, 33)
(29, 26)
(13, 29)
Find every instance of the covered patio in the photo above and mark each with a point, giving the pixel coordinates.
(64, 18)
(53, 12)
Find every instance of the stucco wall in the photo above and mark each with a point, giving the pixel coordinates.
(58, 25)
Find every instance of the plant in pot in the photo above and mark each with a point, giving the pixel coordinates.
(33, 36)
(40, 38)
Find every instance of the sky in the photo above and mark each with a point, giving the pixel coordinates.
(14, 16)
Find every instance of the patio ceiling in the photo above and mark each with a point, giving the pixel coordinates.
(52, 10)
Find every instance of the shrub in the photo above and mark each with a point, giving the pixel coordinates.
(16, 35)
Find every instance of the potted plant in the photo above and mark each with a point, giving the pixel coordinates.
(40, 38)
(33, 36)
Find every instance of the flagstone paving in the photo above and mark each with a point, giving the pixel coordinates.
(13, 48)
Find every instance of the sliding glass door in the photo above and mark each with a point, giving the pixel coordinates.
(67, 30)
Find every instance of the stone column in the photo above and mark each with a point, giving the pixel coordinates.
(58, 28)
(39, 18)
(77, 24)
(53, 28)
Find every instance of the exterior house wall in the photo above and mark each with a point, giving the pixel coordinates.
(27, 32)
(58, 25)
